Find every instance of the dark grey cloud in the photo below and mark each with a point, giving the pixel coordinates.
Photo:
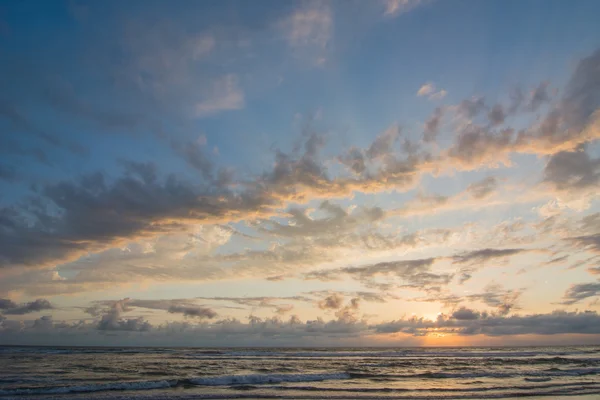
(483, 188)
(587, 242)
(465, 322)
(572, 121)
(569, 123)
(572, 170)
(477, 145)
(432, 125)
(354, 160)
(195, 155)
(557, 260)
(383, 144)
(194, 312)
(470, 108)
(484, 255)
(539, 96)
(260, 301)
(557, 322)
(186, 307)
(464, 313)
(11, 308)
(581, 291)
(7, 303)
(497, 115)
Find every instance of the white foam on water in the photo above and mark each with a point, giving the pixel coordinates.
(257, 379)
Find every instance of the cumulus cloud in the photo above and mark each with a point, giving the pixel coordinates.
(112, 319)
(462, 322)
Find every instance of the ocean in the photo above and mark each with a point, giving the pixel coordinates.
(291, 373)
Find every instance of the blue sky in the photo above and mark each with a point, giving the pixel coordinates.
(182, 166)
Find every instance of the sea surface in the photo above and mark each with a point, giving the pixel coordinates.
(353, 373)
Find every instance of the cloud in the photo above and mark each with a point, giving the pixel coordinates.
(112, 319)
(224, 94)
(394, 8)
(484, 255)
(69, 219)
(463, 322)
(308, 31)
(7, 304)
(332, 302)
(194, 312)
(412, 273)
(428, 90)
(473, 260)
(483, 188)
(11, 308)
(587, 242)
(497, 115)
(572, 170)
(465, 314)
(557, 322)
(432, 125)
(581, 291)
(470, 108)
(539, 96)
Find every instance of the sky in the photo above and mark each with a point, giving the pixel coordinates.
(302, 173)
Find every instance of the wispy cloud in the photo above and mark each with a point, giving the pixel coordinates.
(429, 90)
(394, 8)
(309, 30)
(224, 94)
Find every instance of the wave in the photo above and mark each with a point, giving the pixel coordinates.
(257, 379)
(136, 385)
(221, 380)
(382, 354)
(552, 372)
